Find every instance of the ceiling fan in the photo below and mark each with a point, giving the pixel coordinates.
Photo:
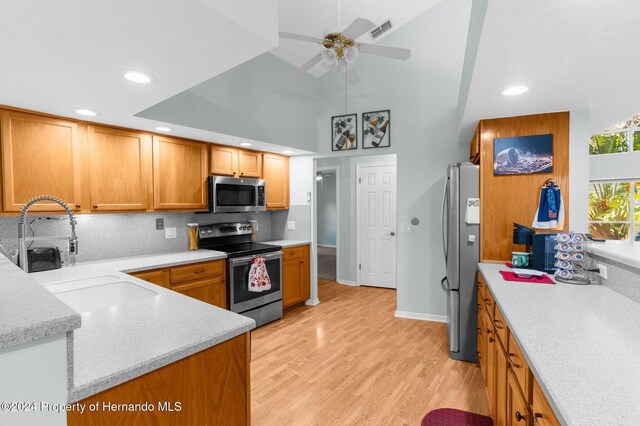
(342, 49)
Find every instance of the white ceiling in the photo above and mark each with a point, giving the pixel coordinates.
(61, 55)
(314, 17)
(573, 54)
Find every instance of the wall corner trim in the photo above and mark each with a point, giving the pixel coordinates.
(312, 302)
(420, 316)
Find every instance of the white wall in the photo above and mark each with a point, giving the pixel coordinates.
(422, 94)
(579, 170)
(35, 372)
(327, 219)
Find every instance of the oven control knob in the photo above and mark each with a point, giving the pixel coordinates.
(208, 231)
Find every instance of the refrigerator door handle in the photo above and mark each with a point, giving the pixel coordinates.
(444, 287)
(444, 214)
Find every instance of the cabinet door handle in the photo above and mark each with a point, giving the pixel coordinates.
(537, 416)
(520, 417)
(495, 322)
(487, 301)
(95, 206)
(78, 206)
(491, 340)
(511, 354)
(489, 331)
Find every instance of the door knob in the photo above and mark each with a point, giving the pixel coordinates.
(392, 234)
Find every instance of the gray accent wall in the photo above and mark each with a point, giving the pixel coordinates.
(327, 220)
(300, 214)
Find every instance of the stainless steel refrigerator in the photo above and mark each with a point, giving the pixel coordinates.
(461, 243)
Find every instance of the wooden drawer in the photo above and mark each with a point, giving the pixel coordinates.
(542, 412)
(501, 327)
(157, 276)
(519, 367)
(180, 274)
(292, 253)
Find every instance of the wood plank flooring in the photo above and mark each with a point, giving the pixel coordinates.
(348, 361)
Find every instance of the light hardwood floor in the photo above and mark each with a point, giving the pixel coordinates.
(348, 361)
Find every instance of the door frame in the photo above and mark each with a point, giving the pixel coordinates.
(337, 170)
(359, 167)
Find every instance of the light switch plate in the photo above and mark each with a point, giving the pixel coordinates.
(291, 225)
(170, 233)
(405, 228)
(159, 224)
(603, 271)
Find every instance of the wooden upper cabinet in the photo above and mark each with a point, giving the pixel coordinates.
(250, 164)
(40, 156)
(119, 164)
(275, 171)
(234, 162)
(179, 174)
(224, 161)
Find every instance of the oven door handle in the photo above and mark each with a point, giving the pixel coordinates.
(247, 259)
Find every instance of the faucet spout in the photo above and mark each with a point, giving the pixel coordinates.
(23, 261)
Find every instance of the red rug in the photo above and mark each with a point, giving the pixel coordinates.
(453, 417)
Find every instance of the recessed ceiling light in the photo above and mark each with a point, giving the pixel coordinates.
(515, 90)
(163, 129)
(287, 151)
(85, 112)
(138, 77)
(246, 144)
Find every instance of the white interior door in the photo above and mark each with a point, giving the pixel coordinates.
(377, 225)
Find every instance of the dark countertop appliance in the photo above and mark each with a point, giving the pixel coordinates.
(234, 239)
(541, 247)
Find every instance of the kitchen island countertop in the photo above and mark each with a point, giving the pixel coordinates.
(122, 342)
(581, 343)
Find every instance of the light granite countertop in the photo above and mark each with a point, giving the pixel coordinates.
(122, 342)
(625, 252)
(581, 342)
(287, 243)
(43, 315)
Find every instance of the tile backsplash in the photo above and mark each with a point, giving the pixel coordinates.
(106, 236)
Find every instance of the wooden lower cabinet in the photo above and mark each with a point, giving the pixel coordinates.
(212, 387)
(205, 281)
(295, 276)
(515, 398)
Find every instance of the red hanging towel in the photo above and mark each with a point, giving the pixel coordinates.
(258, 276)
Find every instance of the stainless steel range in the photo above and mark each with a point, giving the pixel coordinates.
(235, 240)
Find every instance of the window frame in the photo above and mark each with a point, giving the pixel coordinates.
(630, 148)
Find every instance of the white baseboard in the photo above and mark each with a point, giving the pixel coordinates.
(346, 282)
(327, 245)
(312, 302)
(421, 316)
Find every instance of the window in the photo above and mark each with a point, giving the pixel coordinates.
(636, 141)
(611, 143)
(614, 210)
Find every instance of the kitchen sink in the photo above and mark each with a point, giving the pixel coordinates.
(91, 294)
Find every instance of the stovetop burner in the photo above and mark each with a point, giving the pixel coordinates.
(244, 249)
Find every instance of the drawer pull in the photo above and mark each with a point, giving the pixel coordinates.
(199, 271)
(537, 416)
(489, 331)
(487, 301)
(511, 354)
(491, 340)
(520, 417)
(495, 322)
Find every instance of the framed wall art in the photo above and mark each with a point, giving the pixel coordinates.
(376, 129)
(344, 132)
(523, 155)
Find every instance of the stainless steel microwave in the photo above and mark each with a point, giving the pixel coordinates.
(236, 195)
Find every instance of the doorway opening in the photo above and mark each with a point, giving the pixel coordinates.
(327, 221)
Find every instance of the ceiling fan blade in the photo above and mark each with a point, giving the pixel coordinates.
(386, 51)
(352, 76)
(300, 37)
(358, 27)
(307, 65)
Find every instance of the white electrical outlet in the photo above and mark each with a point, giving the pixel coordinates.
(603, 271)
(170, 233)
(405, 228)
(291, 225)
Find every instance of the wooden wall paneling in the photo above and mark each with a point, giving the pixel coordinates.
(40, 155)
(212, 387)
(118, 169)
(514, 198)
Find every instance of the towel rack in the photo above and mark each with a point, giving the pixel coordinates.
(548, 183)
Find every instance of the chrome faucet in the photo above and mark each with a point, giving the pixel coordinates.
(22, 230)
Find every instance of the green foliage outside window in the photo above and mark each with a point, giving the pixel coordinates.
(609, 202)
(610, 143)
(636, 141)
